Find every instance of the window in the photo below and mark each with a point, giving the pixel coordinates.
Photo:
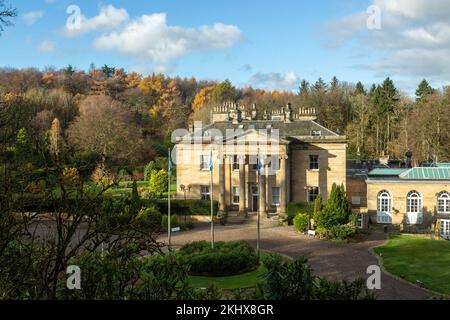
(384, 207)
(356, 200)
(414, 202)
(384, 201)
(414, 207)
(235, 195)
(313, 193)
(360, 221)
(205, 193)
(313, 162)
(443, 202)
(445, 229)
(276, 191)
(316, 133)
(204, 162)
(236, 163)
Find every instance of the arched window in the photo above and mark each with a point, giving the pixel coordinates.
(414, 207)
(443, 202)
(414, 202)
(384, 201)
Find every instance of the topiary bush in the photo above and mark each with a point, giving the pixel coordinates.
(301, 222)
(225, 259)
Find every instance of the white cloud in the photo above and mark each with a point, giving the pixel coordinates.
(149, 37)
(32, 17)
(109, 17)
(275, 80)
(414, 39)
(47, 46)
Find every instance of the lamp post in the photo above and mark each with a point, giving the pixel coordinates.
(185, 189)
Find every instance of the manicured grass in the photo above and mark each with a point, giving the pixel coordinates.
(243, 281)
(419, 258)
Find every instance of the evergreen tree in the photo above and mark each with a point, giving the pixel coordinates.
(320, 85)
(334, 83)
(23, 146)
(360, 88)
(224, 92)
(423, 90)
(304, 88)
(336, 211)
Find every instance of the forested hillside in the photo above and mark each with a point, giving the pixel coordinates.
(124, 117)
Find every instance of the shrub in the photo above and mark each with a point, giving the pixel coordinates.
(173, 222)
(224, 260)
(185, 207)
(294, 280)
(322, 233)
(296, 207)
(336, 211)
(159, 182)
(102, 177)
(149, 218)
(149, 168)
(70, 177)
(342, 232)
(301, 222)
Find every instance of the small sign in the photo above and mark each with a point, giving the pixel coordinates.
(178, 229)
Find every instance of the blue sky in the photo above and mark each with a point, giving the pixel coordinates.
(267, 44)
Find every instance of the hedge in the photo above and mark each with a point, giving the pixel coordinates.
(36, 203)
(184, 207)
(225, 259)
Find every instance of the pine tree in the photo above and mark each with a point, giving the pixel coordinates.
(320, 85)
(423, 90)
(304, 88)
(360, 88)
(23, 146)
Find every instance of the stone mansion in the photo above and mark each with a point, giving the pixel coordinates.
(308, 159)
(299, 159)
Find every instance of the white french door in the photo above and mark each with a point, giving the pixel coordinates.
(445, 229)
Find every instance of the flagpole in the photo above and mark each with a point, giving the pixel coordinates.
(169, 220)
(212, 200)
(258, 238)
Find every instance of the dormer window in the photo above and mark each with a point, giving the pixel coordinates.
(316, 133)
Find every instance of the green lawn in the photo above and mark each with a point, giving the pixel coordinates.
(243, 281)
(419, 258)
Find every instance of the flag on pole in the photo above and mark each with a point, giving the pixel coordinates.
(259, 165)
(210, 162)
(170, 165)
(169, 226)
(211, 197)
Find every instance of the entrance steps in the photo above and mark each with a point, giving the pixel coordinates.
(234, 218)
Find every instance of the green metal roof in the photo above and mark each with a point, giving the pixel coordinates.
(438, 165)
(387, 172)
(431, 173)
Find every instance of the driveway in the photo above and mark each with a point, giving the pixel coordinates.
(334, 261)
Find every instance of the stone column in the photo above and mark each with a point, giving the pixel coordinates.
(242, 209)
(222, 181)
(283, 185)
(262, 193)
(229, 189)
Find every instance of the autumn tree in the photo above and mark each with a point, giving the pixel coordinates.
(106, 127)
(55, 138)
(203, 97)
